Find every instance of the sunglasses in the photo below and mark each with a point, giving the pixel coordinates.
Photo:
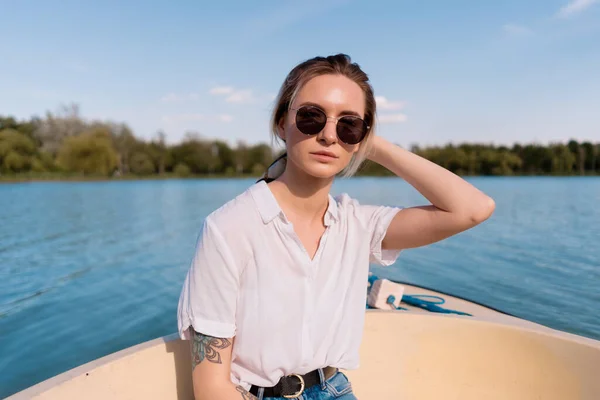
(311, 120)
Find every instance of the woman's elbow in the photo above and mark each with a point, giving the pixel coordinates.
(210, 384)
(207, 390)
(483, 210)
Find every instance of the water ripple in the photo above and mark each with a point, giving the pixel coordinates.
(87, 269)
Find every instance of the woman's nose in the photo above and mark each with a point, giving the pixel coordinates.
(329, 133)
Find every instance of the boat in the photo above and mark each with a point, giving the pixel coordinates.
(424, 345)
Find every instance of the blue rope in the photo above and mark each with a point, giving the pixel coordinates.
(391, 299)
(419, 300)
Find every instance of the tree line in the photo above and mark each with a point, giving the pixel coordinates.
(64, 144)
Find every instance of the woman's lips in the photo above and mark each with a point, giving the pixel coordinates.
(324, 154)
(324, 157)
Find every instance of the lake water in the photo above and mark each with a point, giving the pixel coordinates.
(87, 269)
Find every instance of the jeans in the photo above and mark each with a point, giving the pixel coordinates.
(336, 387)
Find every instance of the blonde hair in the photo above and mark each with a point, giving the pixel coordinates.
(339, 64)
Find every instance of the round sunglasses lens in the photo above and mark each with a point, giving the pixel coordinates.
(351, 130)
(310, 120)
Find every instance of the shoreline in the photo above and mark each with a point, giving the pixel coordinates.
(80, 179)
(113, 179)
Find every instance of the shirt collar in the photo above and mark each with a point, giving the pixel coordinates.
(269, 208)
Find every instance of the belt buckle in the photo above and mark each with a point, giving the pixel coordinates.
(298, 393)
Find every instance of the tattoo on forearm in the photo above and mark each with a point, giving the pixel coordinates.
(205, 347)
(245, 394)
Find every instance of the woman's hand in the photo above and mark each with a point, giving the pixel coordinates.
(456, 205)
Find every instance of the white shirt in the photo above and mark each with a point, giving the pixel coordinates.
(252, 278)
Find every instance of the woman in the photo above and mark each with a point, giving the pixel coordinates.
(274, 300)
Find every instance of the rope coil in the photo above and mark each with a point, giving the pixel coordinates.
(424, 301)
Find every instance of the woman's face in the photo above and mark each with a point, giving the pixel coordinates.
(337, 96)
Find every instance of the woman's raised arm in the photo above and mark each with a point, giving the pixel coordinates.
(456, 205)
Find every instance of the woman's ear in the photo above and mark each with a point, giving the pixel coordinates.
(281, 127)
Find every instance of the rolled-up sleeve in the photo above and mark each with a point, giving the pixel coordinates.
(376, 220)
(380, 218)
(209, 295)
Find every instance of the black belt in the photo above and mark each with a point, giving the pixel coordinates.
(292, 386)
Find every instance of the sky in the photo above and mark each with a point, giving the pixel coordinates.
(444, 71)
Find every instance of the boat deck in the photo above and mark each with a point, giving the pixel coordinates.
(413, 354)
(456, 303)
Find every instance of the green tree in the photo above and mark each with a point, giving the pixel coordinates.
(17, 152)
(51, 131)
(90, 153)
(66, 141)
(160, 153)
(226, 156)
(536, 159)
(241, 157)
(508, 163)
(198, 155)
(563, 159)
(579, 154)
(141, 164)
(125, 143)
(590, 156)
(259, 157)
(182, 170)
(26, 127)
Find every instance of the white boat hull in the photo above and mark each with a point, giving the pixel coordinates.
(404, 355)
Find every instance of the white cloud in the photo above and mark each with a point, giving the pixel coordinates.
(169, 98)
(172, 97)
(392, 118)
(233, 95)
(240, 96)
(385, 104)
(179, 118)
(574, 7)
(225, 117)
(516, 30)
(195, 117)
(221, 90)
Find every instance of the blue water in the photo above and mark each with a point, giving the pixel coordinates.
(87, 269)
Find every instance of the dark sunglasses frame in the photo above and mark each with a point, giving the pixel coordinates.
(341, 134)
